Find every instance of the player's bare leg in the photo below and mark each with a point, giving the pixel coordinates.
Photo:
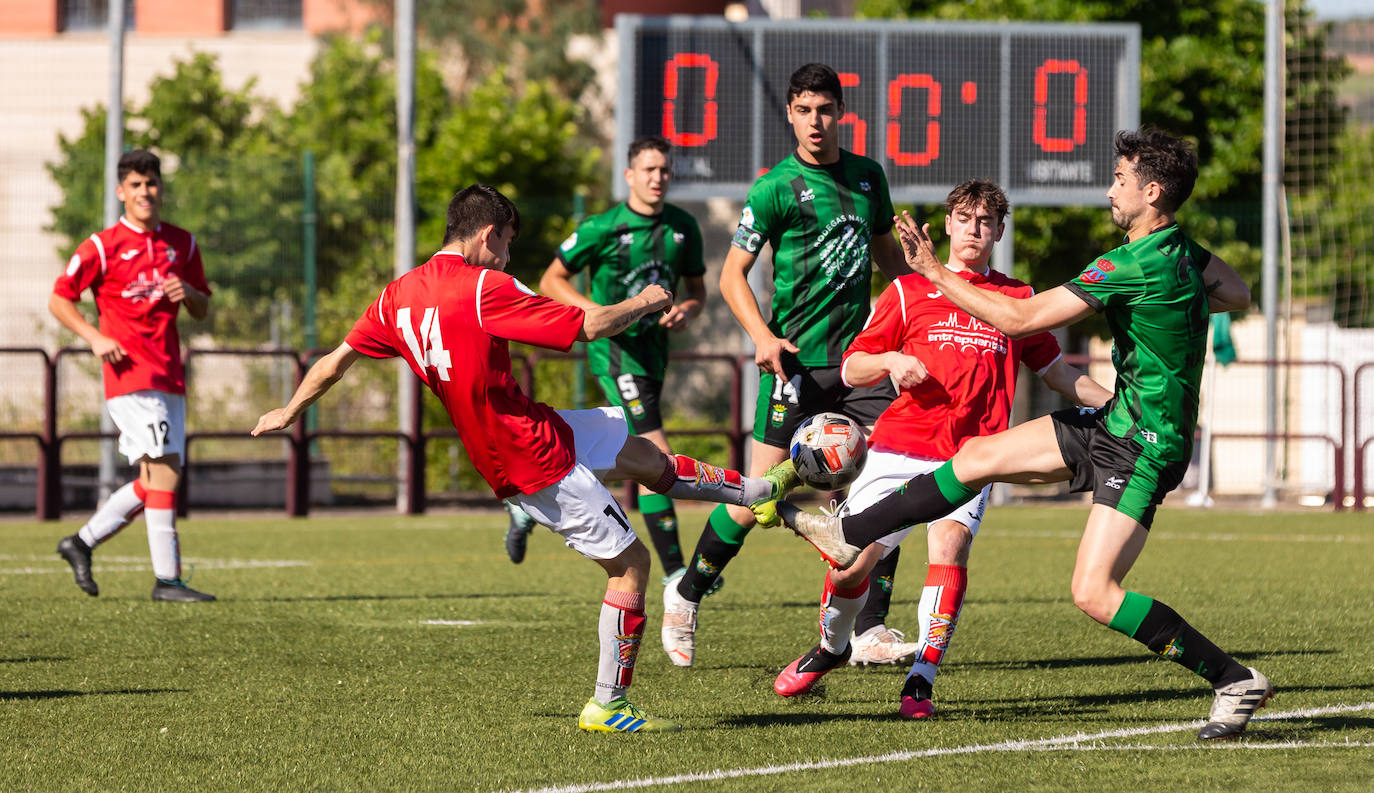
(159, 478)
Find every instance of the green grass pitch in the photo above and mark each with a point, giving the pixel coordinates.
(379, 652)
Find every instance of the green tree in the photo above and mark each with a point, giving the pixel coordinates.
(222, 162)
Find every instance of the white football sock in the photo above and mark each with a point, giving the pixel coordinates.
(839, 609)
(620, 629)
(122, 506)
(161, 515)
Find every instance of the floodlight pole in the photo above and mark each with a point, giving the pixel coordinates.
(410, 496)
(1273, 174)
(114, 147)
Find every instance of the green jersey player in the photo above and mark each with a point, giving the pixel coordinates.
(640, 242)
(1156, 291)
(827, 215)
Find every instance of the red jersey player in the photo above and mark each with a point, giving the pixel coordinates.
(141, 271)
(957, 378)
(452, 320)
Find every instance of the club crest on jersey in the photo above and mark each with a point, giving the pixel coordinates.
(1097, 272)
(569, 243)
(171, 254)
(678, 237)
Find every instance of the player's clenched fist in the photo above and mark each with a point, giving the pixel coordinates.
(658, 297)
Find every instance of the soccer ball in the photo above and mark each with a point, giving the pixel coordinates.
(828, 451)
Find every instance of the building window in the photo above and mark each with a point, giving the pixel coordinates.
(265, 15)
(79, 15)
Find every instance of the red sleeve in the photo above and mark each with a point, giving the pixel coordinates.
(83, 271)
(510, 310)
(194, 274)
(1040, 350)
(370, 335)
(886, 324)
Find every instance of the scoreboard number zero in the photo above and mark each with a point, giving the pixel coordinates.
(1033, 106)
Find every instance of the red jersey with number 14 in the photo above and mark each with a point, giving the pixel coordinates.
(452, 321)
(972, 366)
(124, 267)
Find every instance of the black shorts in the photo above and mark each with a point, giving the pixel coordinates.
(1116, 470)
(638, 396)
(785, 403)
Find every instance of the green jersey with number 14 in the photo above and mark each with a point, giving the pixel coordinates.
(1152, 294)
(820, 221)
(625, 251)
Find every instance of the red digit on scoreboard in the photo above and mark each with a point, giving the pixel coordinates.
(689, 60)
(1080, 106)
(850, 118)
(894, 113)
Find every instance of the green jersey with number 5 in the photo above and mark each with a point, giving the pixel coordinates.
(625, 251)
(1154, 300)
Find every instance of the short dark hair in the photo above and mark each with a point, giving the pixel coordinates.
(977, 192)
(645, 143)
(474, 208)
(1163, 158)
(816, 78)
(138, 161)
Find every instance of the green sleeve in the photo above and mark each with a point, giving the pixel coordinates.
(882, 224)
(579, 250)
(1108, 281)
(758, 220)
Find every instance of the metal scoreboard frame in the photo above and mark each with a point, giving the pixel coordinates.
(1033, 106)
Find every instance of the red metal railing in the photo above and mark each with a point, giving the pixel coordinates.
(49, 441)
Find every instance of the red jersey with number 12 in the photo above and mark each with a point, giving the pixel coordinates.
(972, 366)
(124, 267)
(452, 322)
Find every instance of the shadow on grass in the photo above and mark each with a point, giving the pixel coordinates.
(34, 659)
(358, 598)
(1116, 660)
(19, 696)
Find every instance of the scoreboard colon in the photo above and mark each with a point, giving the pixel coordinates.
(1032, 106)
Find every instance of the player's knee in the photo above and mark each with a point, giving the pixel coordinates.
(1091, 599)
(639, 458)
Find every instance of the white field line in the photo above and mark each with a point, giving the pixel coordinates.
(139, 564)
(1079, 741)
(451, 622)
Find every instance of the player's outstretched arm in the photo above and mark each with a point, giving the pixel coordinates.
(1075, 385)
(602, 321)
(556, 282)
(321, 377)
(1226, 290)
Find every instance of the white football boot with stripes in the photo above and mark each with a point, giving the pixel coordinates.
(1234, 705)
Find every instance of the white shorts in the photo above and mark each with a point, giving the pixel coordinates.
(884, 472)
(152, 424)
(579, 507)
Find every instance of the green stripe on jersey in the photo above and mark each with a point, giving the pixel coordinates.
(820, 221)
